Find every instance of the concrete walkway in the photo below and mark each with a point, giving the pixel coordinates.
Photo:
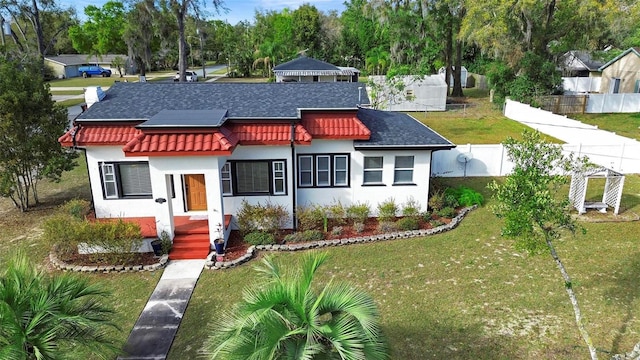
(153, 333)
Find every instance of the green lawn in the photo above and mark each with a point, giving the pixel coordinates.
(474, 120)
(467, 294)
(464, 294)
(624, 124)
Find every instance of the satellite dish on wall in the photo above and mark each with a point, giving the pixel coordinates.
(464, 158)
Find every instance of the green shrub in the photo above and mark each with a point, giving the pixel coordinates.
(358, 227)
(436, 201)
(466, 196)
(435, 223)
(336, 212)
(118, 239)
(450, 200)
(408, 223)
(78, 208)
(447, 212)
(411, 208)
(426, 216)
(293, 237)
(166, 242)
(114, 242)
(387, 210)
(358, 213)
(310, 217)
(386, 227)
(268, 218)
(312, 235)
(259, 238)
(337, 230)
(65, 232)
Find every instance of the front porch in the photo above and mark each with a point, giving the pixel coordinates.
(192, 239)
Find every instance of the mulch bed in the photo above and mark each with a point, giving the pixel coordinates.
(96, 260)
(236, 246)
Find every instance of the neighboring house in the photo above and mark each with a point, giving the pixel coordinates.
(200, 149)
(66, 66)
(580, 63)
(408, 93)
(622, 73)
(306, 69)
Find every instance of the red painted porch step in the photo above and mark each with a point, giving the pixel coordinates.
(190, 242)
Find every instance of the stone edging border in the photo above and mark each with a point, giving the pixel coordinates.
(61, 265)
(251, 251)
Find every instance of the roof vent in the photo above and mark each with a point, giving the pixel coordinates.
(93, 94)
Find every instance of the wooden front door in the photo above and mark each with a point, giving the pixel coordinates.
(195, 192)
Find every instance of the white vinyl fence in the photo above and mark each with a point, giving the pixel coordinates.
(491, 160)
(581, 85)
(613, 103)
(601, 147)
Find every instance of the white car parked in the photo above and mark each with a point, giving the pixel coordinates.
(191, 76)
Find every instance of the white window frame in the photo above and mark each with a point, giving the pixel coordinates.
(278, 174)
(345, 170)
(316, 170)
(109, 177)
(326, 170)
(397, 169)
(309, 171)
(225, 177)
(372, 170)
(112, 174)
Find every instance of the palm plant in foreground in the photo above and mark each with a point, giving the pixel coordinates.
(43, 316)
(286, 319)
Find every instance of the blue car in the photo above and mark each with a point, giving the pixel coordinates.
(88, 71)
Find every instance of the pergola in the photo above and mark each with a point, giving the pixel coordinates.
(612, 189)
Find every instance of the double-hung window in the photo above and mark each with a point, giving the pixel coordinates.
(373, 170)
(225, 178)
(256, 177)
(403, 170)
(323, 170)
(126, 180)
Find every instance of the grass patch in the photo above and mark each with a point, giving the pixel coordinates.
(82, 82)
(66, 92)
(623, 124)
(243, 80)
(467, 294)
(474, 120)
(71, 102)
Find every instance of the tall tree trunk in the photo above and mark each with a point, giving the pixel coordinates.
(182, 42)
(448, 55)
(574, 300)
(39, 34)
(457, 71)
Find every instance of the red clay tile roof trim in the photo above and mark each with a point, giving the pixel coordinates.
(99, 135)
(335, 125)
(206, 142)
(270, 134)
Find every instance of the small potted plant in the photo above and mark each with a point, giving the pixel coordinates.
(218, 243)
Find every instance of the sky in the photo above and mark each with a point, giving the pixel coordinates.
(238, 9)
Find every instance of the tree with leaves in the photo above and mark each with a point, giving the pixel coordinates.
(102, 32)
(534, 213)
(288, 318)
(47, 317)
(30, 123)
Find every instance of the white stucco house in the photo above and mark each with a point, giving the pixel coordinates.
(197, 150)
(306, 69)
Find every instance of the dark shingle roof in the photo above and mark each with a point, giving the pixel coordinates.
(391, 130)
(141, 101)
(585, 58)
(305, 63)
